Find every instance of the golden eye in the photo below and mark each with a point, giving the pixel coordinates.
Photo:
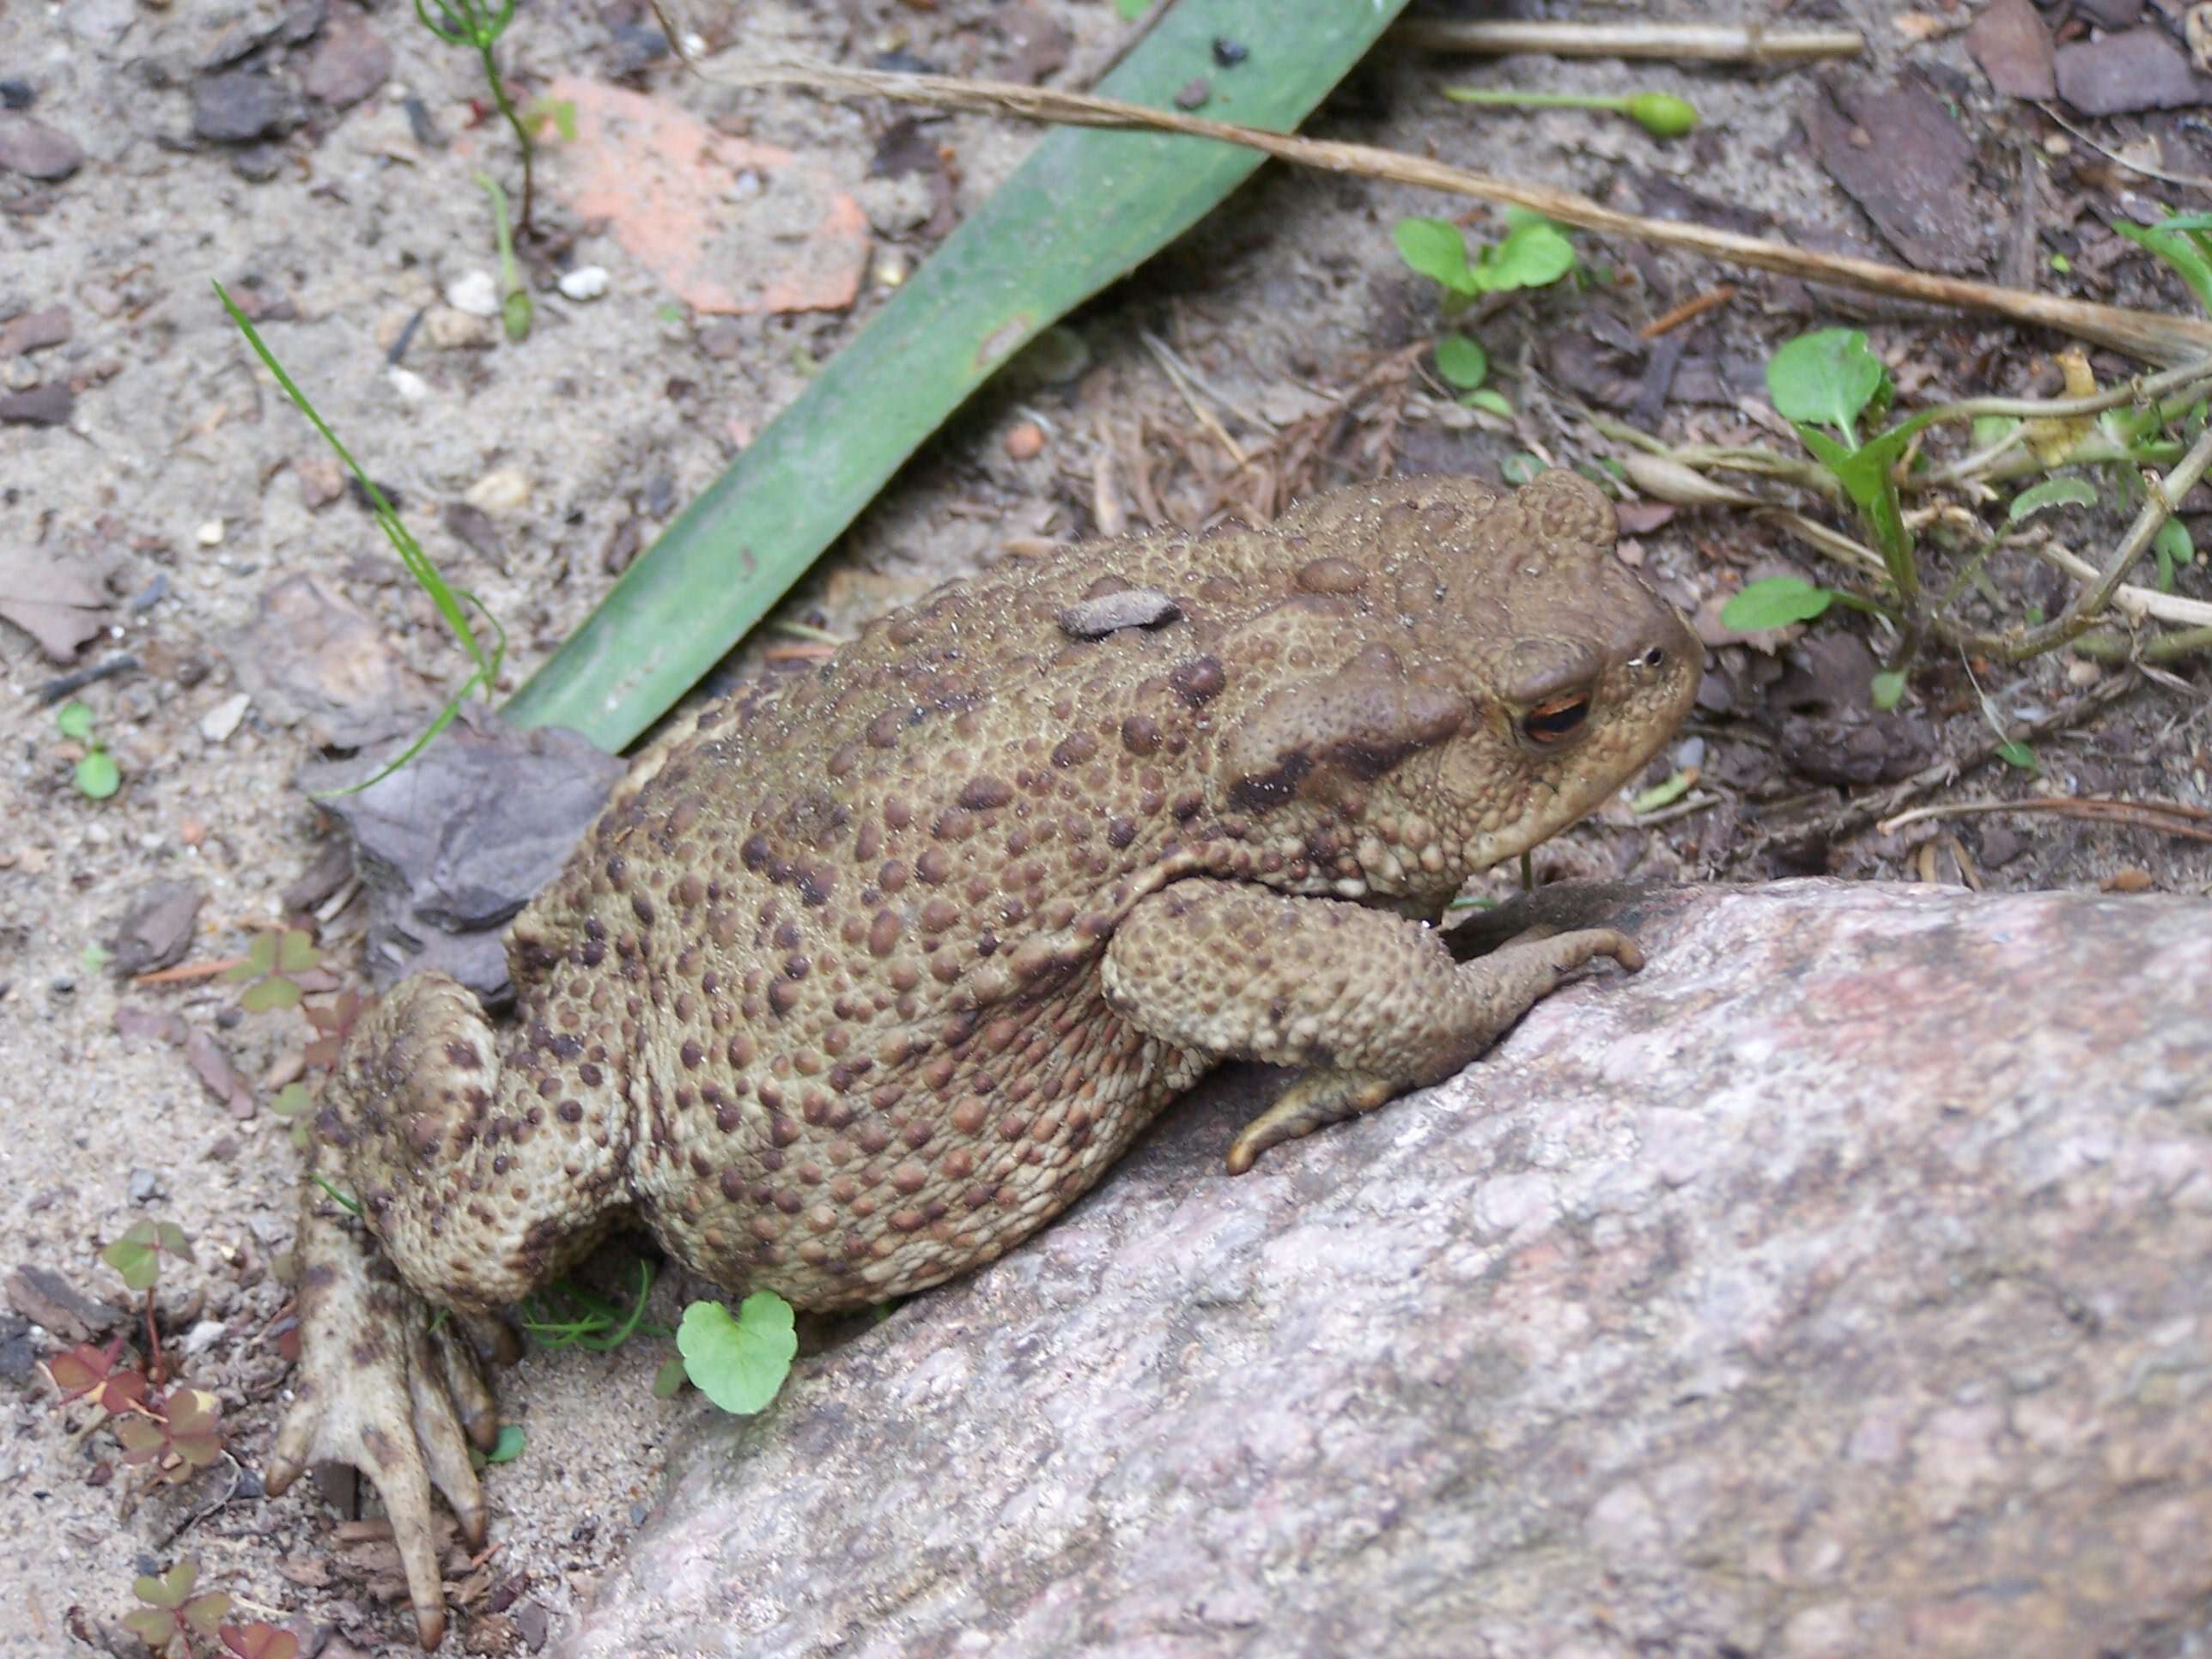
(1557, 721)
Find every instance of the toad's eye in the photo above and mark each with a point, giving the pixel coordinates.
(1653, 658)
(1557, 721)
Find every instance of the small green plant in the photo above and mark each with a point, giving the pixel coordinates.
(453, 603)
(97, 774)
(175, 1616)
(1662, 114)
(565, 1314)
(294, 1107)
(1533, 253)
(515, 306)
(1465, 366)
(739, 1361)
(477, 25)
(270, 962)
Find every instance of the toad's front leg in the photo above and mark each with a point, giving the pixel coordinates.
(1372, 1003)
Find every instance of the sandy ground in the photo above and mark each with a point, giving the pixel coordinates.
(183, 472)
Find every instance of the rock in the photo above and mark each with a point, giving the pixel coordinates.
(411, 388)
(502, 490)
(50, 404)
(476, 292)
(463, 836)
(34, 331)
(158, 929)
(30, 146)
(583, 282)
(240, 106)
(1916, 181)
(220, 721)
(2012, 47)
(2135, 70)
(351, 62)
(310, 657)
(1835, 1285)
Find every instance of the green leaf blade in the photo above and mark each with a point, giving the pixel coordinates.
(1774, 602)
(1826, 378)
(2051, 492)
(1435, 249)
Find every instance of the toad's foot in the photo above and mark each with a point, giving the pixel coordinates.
(1373, 1003)
(384, 1388)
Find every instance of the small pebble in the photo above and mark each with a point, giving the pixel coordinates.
(476, 292)
(203, 1336)
(143, 1186)
(220, 721)
(209, 534)
(407, 383)
(1025, 442)
(1194, 95)
(583, 282)
(503, 489)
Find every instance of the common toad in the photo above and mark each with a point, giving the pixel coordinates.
(860, 980)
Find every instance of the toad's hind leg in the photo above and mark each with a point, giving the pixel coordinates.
(481, 1176)
(1370, 1003)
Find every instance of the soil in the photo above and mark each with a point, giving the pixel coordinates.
(182, 481)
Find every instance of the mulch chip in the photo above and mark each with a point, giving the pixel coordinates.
(1897, 154)
(2135, 69)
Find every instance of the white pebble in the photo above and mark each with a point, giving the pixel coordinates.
(209, 534)
(475, 292)
(503, 489)
(408, 383)
(203, 1336)
(220, 721)
(584, 282)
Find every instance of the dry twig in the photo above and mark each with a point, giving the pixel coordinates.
(2150, 336)
(1702, 43)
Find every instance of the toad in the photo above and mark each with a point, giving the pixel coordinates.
(862, 977)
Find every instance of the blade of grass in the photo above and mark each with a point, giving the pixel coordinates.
(1085, 209)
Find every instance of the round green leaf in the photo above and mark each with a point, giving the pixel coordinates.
(97, 774)
(1775, 602)
(1888, 690)
(1435, 249)
(1828, 376)
(1462, 361)
(1532, 256)
(74, 720)
(507, 1445)
(1493, 402)
(668, 1379)
(740, 1363)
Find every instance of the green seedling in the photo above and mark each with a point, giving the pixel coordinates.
(294, 1107)
(453, 603)
(172, 1613)
(1662, 114)
(739, 1362)
(476, 25)
(1533, 253)
(514, 307)
(507, 1445)
(97, 774)
(270, 962)
(137, 1257)
(1663, 794)
(1463, 365)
